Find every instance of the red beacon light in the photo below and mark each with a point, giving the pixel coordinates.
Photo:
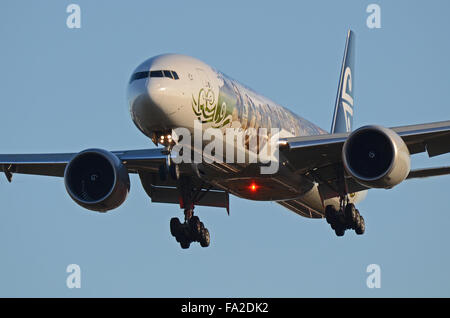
(253, 187)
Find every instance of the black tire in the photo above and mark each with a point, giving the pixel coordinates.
(175, 226)
(330, 214)
(350, 213)
(196, 226)
(362, 227)
(185, 244)
(339, 231)
(357, 223)
(205, 239)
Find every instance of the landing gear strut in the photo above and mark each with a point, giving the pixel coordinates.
(346, 218)
(192, 230)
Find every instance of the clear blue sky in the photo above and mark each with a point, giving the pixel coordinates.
(64, 90)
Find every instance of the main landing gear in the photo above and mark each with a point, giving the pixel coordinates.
(346, 218)
(192, 230)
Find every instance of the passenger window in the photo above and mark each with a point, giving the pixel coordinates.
(156, 74)
(167, 74)
(175, 75)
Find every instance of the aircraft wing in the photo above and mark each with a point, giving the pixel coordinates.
(320, 157)
(55, 163)
(428, 172)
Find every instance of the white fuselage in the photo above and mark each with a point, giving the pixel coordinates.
(171, 91)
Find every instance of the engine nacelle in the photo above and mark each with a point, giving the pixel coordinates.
(376, 157)
(97, 180)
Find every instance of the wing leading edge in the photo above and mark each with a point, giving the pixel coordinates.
(54, 164)
(304, 153)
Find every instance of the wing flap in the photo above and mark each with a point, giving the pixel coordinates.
(301, 209)
(211, 198)
(139, 160)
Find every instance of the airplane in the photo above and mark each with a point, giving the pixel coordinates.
(320, 174)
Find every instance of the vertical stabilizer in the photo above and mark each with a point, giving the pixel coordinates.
(344, 107)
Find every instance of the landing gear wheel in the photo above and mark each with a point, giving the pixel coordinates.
(330, 214)
(192, 229)
(357, 223)
(205, 239)
(184, 243)
(350, 213)
(175, 226)
(196, 226)
(347, 217)
(340, 231)
(362, 227)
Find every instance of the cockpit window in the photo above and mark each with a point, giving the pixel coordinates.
(167, 74)
(156, 74)
(164, 73)
(138, 75)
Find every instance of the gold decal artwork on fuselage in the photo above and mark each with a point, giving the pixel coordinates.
(209, 112)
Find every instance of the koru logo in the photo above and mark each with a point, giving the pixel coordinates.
(208, 110)
(347, 99)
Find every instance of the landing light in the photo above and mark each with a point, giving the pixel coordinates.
(165, 139)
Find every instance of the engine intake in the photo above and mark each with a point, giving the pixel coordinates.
(376, 157)
(97, 180)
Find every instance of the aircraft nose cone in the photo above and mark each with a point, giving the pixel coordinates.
(146, 102)
(156, 93)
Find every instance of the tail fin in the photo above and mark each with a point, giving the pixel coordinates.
(343, 109)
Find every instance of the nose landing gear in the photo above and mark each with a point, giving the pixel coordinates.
(346, 218)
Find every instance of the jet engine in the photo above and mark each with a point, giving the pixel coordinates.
(97, 180)
(376, 157)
